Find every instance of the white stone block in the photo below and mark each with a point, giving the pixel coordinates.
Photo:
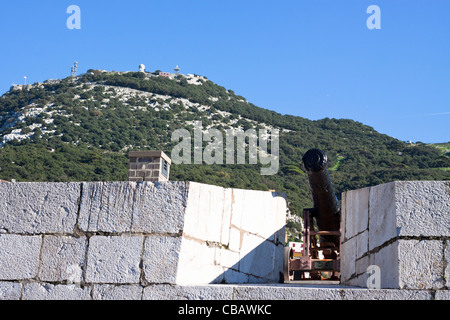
(447, 261)
(361, 266)
(197, 265)
(161, 207)
(19, 256)
(114, 259)
(47, 291)
(226, 217)
(404, 264)
(423, 208)
(421, 264)
(382, 214)
(408, 208)
(356, 202)
(106, 206)
(161, 259)
(62, 258)
(38, 207)
(352, 250)
(10, 290)
(253, 211)
(176, 292)
(387, 259)
(116, 292)
(278, 262)
(348, 258)
(257, 257)
(233, 276)
(385, 294)
(207, 216)
(130, 206)
(442, 295)
(235, 239)
(406, 235)
(226, 258)
(230, 235)
(362, 243)
(280, 292)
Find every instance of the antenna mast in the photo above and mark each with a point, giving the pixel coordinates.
(74, 69)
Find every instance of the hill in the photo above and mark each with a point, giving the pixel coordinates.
(82, 128)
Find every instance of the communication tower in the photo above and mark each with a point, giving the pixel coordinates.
(177, 70)
(74, 69)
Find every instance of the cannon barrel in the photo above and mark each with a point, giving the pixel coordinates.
(326, 210)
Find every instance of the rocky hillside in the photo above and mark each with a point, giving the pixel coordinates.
(81, 129)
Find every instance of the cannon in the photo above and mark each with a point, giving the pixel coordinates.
(318, 257)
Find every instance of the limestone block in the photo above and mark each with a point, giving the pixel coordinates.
(385, 294)
(226, 257)
(356, 202)
(406, 234)
(129, 206)
(447, 261)
(280, 292)
(278, 260)
(232, 235)
(382, 214)
(442, 295)
(10, 290)
(362, 264)
(115, 292)
(253, 210)
(161, 208)
(62, 258)
(360, 280)
(420, 264)
(175, 292)
(208, 213)
(235, 239)
(348, 258)
(161, 259)
(106, 207)
(408, 208)
(114, 259)
(19, 256)
(47, 291)
(38, 207)
(387, 259)
(233, 276)
(254, 247)
(423, 208)
(362, 243)
(404, 264)
(352, 250)
(197, 265)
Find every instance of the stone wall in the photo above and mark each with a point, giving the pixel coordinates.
(401, 227)
(97, 240)
(185, 240)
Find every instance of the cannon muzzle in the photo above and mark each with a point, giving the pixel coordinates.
(326, 210)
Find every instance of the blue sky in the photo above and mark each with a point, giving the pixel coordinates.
(313, 59)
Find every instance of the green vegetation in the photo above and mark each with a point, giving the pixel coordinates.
(339, 161)
(443, 147)
(82, 131)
